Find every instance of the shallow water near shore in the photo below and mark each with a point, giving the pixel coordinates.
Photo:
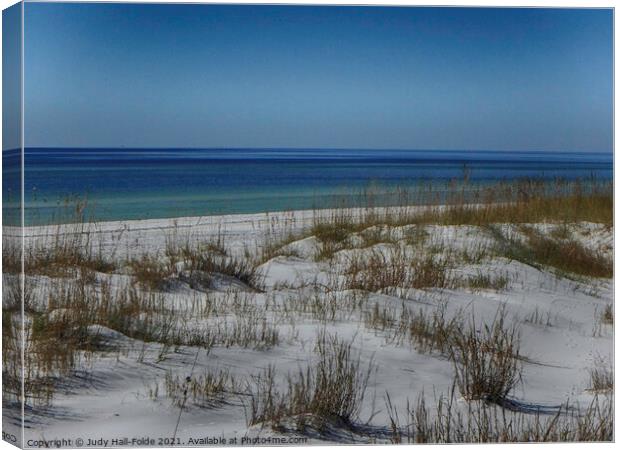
(130, 184)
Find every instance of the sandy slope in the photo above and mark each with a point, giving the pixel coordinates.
(111, 396)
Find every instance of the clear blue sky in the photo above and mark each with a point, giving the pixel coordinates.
(111, 75)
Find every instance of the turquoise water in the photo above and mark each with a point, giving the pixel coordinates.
(125, 184)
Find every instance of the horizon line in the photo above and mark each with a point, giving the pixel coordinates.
(611, 151)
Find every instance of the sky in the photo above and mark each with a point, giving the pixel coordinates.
(11, 77)
(122, 75)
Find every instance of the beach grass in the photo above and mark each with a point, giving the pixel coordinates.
(486, 359)
(480, 422)
(329, 391)
(566, 256)
(364, 251)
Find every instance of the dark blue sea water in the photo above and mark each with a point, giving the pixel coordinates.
(156, 183)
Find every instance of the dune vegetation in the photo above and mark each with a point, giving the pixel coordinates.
(412, 322)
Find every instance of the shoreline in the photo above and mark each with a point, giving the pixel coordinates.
(418, 192)
(300, 215)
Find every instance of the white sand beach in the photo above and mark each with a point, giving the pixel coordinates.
(132, 388)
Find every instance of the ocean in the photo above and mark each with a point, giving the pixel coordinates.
(127, 184)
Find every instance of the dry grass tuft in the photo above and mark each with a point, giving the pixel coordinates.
(534, 201)
(432, 332)
(386, 270)
(487, 281)
(202, 260)
(65, 247)
(486, 361)
(331, 390)
(567, 256)
(537, 317)
(427, 332)
(608, 315)
(241, 269)
(481, 422)
(207, 390)
(601, 376)
(150, 272)
(12, 341)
